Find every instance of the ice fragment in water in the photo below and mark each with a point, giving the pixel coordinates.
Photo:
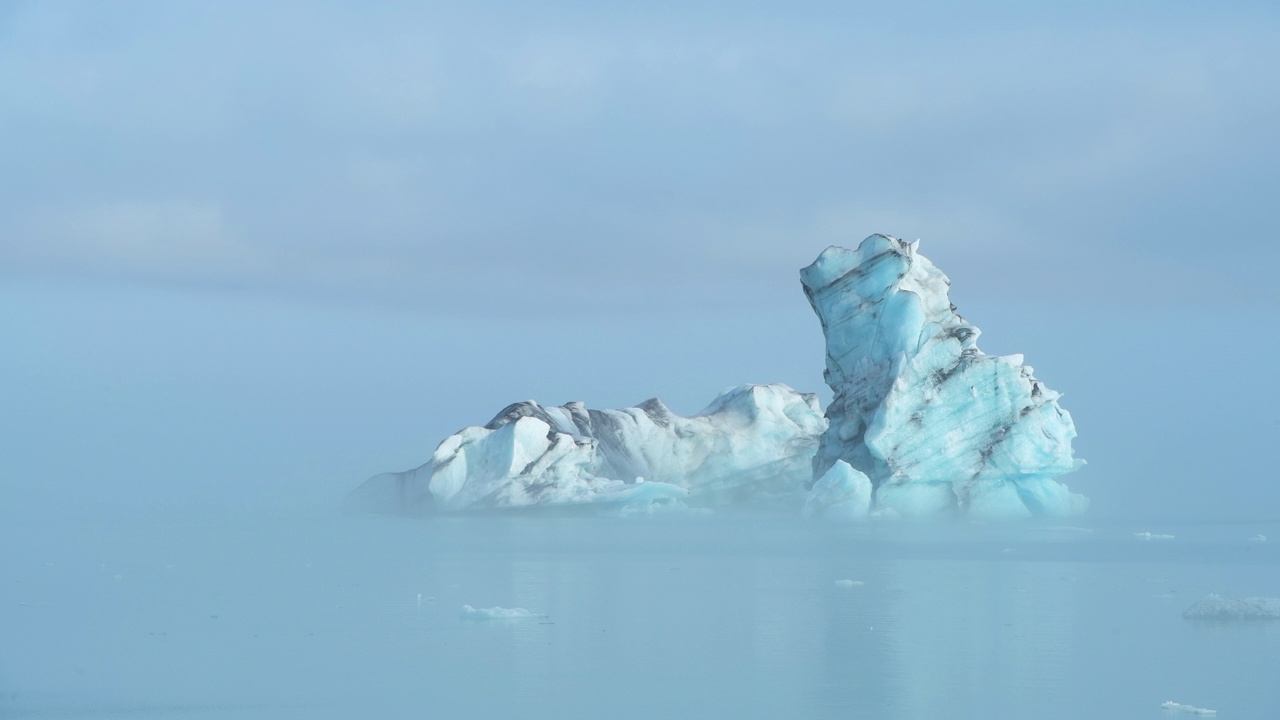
(1152, 536)
(498, 613)
(1172, 706)
(848, 583)
(1216, 607)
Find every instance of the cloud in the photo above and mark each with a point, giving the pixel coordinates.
(418, 153)
(141, 238)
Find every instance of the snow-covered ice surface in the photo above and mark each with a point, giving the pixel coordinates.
(753, 442)
(283, 618)
(937, 425)
(1216, 607)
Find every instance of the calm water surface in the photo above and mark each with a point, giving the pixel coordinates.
(340, 617)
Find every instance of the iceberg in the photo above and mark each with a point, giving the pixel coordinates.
(752, 442)
(936, 425)
(1216, 607)
(922, 424)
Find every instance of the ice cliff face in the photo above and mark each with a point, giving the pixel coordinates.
(752, 441)
(938, 426)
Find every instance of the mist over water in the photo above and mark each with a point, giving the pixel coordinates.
(252, 254)
(731, 616)
(170, 541)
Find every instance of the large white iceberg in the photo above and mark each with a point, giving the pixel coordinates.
(751, 442)
(938, 426)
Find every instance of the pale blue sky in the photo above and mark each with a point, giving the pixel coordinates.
(253, 253)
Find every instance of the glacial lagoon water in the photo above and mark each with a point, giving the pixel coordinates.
(677, 617)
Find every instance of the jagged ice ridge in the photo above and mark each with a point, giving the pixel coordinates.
(751, 442)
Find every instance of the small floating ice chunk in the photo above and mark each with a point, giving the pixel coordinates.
(1152, 536)
(1172, 706)
(848, 583)
(1216, 607)
(498, 613)
(1258, 538)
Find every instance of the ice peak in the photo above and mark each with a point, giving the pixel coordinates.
(936, 424)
